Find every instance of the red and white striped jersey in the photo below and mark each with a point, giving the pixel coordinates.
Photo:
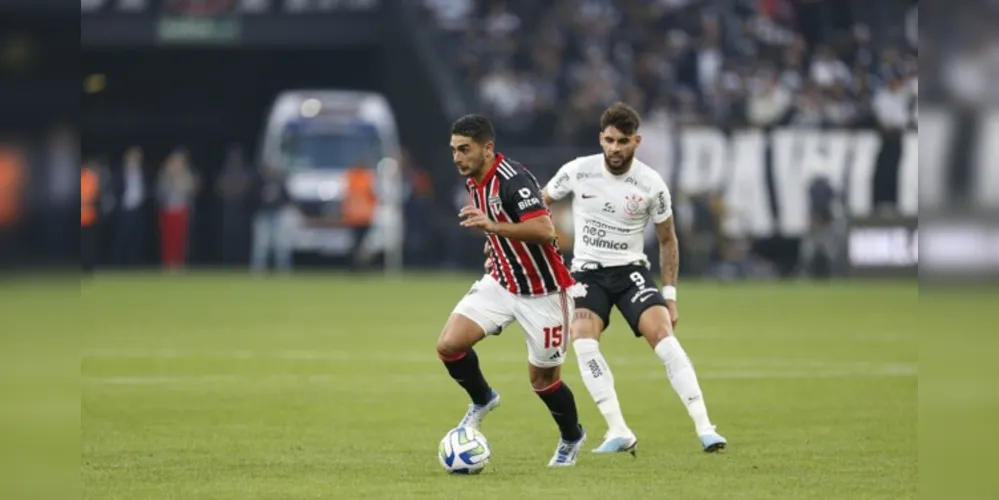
(510, 193)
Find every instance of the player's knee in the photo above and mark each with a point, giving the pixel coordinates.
(458, 336)
(657, 334)
(450, 343)
(543, 378)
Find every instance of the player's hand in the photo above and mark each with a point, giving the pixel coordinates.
(475, 218)
(487, 252)
(674, 316)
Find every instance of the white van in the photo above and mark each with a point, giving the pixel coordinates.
(322, 139)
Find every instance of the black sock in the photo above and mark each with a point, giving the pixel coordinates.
(465, 370)
(562, 405)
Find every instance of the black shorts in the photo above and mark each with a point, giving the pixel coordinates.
(631, 288)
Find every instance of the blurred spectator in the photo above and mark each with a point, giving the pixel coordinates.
(12, 183)
(891, 109)
(358, 211)
(827, 70)
(272, 223)
(770, 100)
(89, 213)
(61, 165)
(821, 247)
(175, 191)
(808, 107)
(418, 211)
(698, 220)
(545, 69)
(840, 110)
(451, 15)
(233, 188)
(132, 190)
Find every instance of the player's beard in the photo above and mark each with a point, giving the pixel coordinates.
(624, 165)
(473, 169)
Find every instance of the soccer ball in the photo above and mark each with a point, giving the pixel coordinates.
(464, 451)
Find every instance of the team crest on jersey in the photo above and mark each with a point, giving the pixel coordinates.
(495, 204)
(633, 205)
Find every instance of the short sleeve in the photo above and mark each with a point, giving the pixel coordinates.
(562, 184)
(522, 197)
(661, 207)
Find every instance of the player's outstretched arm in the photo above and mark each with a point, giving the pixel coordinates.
(539, 230)
(536, 227)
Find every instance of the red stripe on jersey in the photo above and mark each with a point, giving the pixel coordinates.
(498, 253)
(557, 266)
(537, 213)
(520, 248)
(564, 299)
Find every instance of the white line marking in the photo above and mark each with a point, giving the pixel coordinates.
(803, 366)
(891, 370)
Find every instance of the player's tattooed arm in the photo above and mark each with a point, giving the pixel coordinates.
(669, 263)
(669, 252)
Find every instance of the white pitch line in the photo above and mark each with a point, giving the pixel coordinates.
(891, 370)
(804, 366)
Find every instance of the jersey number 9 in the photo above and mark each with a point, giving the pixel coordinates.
(638, 279)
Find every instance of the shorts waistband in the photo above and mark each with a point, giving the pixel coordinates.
(594, 266)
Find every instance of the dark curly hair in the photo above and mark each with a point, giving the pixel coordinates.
(622, 117)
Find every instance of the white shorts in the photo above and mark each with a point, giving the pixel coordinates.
(545, 319)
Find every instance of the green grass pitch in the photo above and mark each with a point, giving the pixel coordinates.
(228, 387)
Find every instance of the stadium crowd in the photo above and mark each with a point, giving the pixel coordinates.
(545, 69)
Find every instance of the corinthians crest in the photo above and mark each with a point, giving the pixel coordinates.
(633, 205)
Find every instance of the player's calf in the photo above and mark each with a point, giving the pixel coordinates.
(599, 381)
(547, 384)
(454, 348)
(654, 324)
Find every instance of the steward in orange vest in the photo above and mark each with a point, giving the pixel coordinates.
(89, 192)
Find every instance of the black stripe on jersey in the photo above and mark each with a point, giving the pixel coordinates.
(519, 274)
(500, 265)
(531, 176)
(544, 268)
(523, 287)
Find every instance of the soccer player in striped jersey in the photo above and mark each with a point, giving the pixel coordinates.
(527, 282)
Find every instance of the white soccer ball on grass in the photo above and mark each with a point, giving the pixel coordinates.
(464, 451)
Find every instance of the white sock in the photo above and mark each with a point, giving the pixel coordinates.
(599, 381)
(681, 375)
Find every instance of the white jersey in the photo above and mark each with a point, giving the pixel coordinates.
(610, 212)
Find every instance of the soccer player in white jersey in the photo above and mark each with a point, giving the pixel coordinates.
(614, 198)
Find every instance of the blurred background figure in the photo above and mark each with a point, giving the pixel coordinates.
(736, 97)
(12, 184)
(233, 189)
(61, 162)
(823, 244)
(175, 189)
(272, 222)
(89, 214)
(131, 188)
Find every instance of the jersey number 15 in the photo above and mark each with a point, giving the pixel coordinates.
(553, 336)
